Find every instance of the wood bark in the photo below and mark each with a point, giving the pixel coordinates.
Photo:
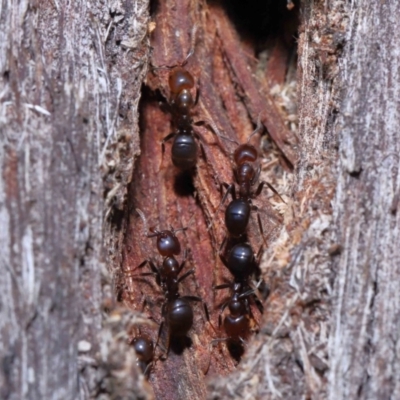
(72, 141)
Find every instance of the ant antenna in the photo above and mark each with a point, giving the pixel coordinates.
(143, 218)
(258, 128)
(192, 44)
(184, 228)
(189, 54)
(217, 132)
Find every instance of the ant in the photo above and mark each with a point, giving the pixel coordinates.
(237, 213)
(184, 151)
(144, 349)
(237, 322)
(242, 263)
(176, 309)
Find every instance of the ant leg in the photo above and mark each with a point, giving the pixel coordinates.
(183, 262)
(259, 305)
(196, 99)
(223, 286)
(159, 333)
(259, 254)
(216, 132)
(168, 137)
(260, 188)
(199, 299)
(260, 227)
(141, 265)
(203, 152)
(184, 276)
(222, 258)
(258, 128)
(146, 372)
(229, 189)
(154, 268)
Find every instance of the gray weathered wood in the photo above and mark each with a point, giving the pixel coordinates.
(69, 89)
(363, 345)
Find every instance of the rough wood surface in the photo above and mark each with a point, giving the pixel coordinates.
(341, 322)
(70, 83)
(364, 343)
(232, 97)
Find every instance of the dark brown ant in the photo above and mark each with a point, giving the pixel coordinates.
(176, 309)
(246, 173)
(184, 150)
(144, 349)
(237, 322)
(242, 263)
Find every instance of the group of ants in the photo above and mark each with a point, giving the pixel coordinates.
(240, 260)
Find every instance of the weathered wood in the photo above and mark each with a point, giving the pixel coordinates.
(70, 84)
(363, 345)
(70, 88)
(338, 338)
(168, 197)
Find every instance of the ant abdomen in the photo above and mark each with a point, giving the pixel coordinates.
(237, 216)
(179, 317)
(184, 152)
(241, 260)
(237, 325)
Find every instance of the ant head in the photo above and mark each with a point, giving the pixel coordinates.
(180, 79)
(144, 348)
(167, 243)
(245, 153)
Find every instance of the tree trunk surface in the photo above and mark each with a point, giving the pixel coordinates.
(84, 108)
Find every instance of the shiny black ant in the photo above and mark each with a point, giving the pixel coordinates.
(242, 263)
(184, 150)
(176, 310)
(237, 213)
(236, 323)
(144, 349)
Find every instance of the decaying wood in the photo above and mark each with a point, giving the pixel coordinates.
(69, 122)
(70, 80)
(167, 197)
(338, 337)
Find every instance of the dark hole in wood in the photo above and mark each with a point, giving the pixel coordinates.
(183, 184)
